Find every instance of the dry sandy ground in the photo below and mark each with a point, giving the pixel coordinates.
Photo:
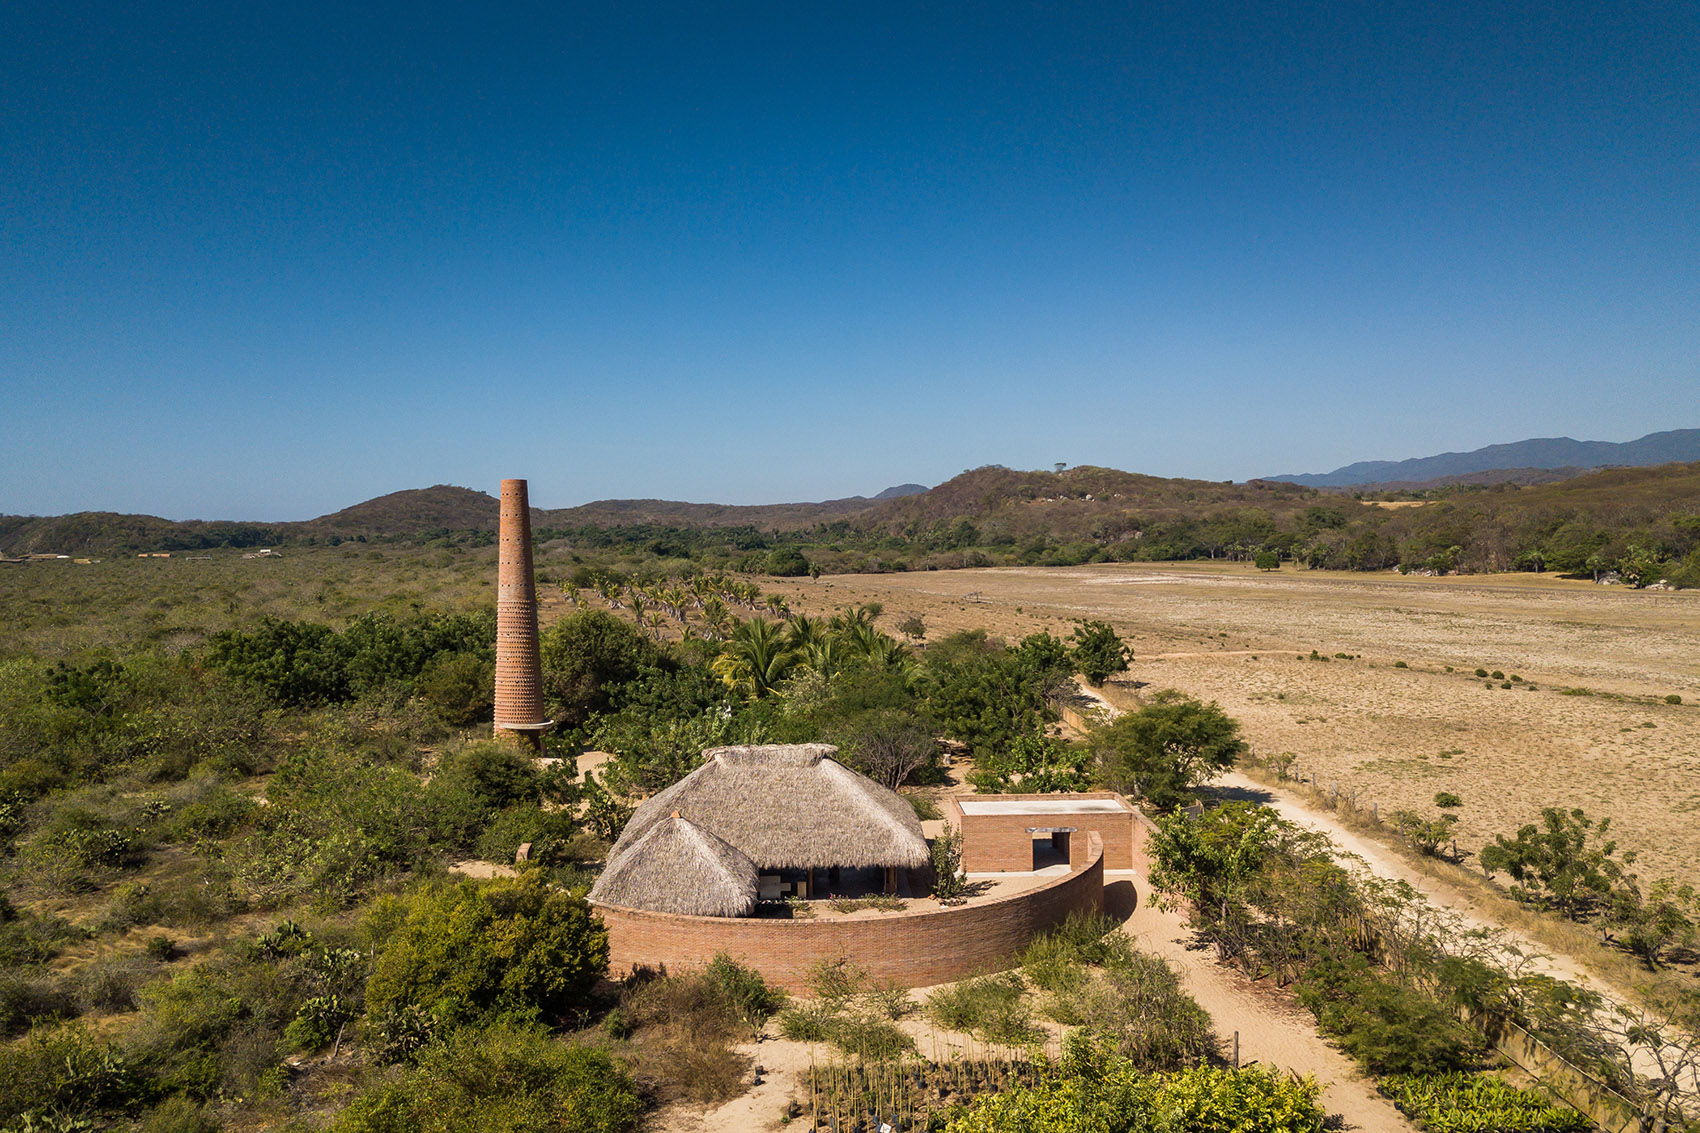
(1230, 633)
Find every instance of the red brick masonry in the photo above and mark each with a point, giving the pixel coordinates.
(1000, 843)
(917, 948)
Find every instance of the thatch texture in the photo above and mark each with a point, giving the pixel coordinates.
(675, 866)
(790, 806)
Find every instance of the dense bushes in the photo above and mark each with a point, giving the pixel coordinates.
(302, 663)
(1388, 1026)
(1093, 1092)
(1470, 1103)
(506, 1079)
(471, 951)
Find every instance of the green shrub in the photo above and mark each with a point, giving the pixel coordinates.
(751, 997)
(1102, 1094)
(867, 1036)
(497, 774)
(1401, 665)
(181, 900)
(31, 994)
(216, 813)
(992, 1008)
(890, 1000)
(1469, 1103)
(1138, 1010)
(1446, 800)
(474, 950)
(111, 984)
(1389, 1027)
(806, 1023)
(504, 1080)
(336, 826)
(553, 837)
(1481, 672)
(178, 1115)
(459, 687)
(30, 938)
(835, 982)
(62, 1068)
(927, 810)
(1673, 698)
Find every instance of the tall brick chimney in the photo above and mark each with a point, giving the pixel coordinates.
(519, 664)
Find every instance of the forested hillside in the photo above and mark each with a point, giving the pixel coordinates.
(1643, 523)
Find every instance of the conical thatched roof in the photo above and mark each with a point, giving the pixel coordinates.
(790, 806)
(676, 866)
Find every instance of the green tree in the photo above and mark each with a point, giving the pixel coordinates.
(460, 687)
(1666, 916)
(755, 659)
(787, 562)
(298, 663)
(1099, 653)
(1554, 861)
(1268, 560)
(986, 695)
(587, 656)
(1168, 747)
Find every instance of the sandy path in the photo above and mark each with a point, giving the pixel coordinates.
(1273, 1030)
(1384, 863)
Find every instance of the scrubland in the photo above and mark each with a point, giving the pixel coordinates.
(1594, 731)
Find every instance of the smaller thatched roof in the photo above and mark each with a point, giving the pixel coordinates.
(678, 867)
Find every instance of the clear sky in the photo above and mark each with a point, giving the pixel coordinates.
(264, 260)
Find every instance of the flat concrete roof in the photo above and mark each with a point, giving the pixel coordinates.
(1041, 806)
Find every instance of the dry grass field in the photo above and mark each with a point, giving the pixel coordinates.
(1395, 736)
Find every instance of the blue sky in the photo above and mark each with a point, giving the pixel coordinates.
(265, 260)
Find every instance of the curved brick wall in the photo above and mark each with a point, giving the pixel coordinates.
(914, 948)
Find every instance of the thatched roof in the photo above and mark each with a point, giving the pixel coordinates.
(790, 806)
(676, 866)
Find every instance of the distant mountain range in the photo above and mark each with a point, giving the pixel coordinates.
(410, 514)
(1531, 461)
(992, 516)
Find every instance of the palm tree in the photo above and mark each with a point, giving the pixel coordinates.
(715, 615)
(803, 631)
(856, 615)
(823, 656)
(756, 658)
(675, 599)
(776, 605)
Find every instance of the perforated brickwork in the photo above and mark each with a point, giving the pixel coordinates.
(519, 666)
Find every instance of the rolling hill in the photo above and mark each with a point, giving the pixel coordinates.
(1547, 453)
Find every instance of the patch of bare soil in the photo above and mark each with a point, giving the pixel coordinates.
(1393, 736)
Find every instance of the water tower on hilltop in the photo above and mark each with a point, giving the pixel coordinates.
(519, 660)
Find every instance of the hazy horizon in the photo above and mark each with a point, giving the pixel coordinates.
(264, 264)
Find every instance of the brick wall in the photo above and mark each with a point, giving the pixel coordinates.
(1140, 856)
(1000, 843)
(916, 948)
